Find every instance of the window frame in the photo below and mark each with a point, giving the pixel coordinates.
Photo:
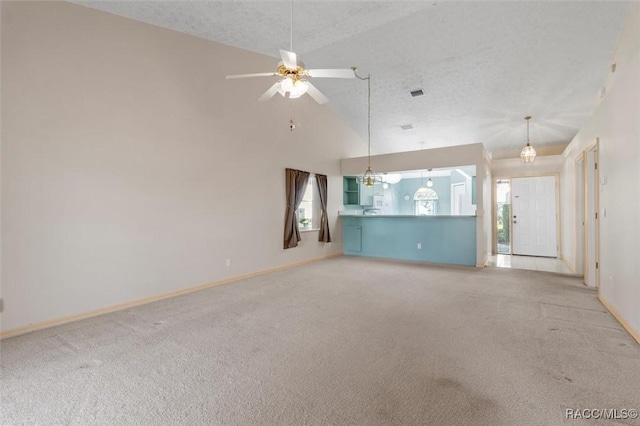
(315, 206)
(429, 203)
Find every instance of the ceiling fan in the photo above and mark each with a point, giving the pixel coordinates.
(294, 76)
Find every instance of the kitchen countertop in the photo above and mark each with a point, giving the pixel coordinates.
(401, 215)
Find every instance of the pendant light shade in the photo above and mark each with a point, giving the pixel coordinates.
(528, 154)
(391, 178)
(369, 177)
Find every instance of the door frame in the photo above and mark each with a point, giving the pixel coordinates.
(580, 219)
(494, 215)
(594, 146)
(494, 210)
(464, 185)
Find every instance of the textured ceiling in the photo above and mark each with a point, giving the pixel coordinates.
(483, 65)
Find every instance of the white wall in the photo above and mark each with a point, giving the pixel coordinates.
(455, 156)
(487, 217)
(513, 167)
(615, 123)
(132, 168)
(1, 300)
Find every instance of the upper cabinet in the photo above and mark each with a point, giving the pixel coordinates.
(351, 191)
(357, 194)
(368, 194)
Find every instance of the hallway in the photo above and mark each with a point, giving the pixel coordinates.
(531, 263)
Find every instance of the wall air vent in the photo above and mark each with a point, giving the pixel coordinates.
(416, 93)
(406, 127)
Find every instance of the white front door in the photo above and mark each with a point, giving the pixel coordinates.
(534, 216)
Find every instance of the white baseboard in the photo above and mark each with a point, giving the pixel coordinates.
(80, 316)
(620, 319)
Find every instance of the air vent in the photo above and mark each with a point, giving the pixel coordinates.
(406, 127)
(416, 93)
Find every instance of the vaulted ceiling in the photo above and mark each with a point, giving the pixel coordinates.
(483, 65)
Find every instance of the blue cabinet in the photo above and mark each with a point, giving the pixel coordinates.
(352, 238)
(435, 239)
(351, 191)
(358, 194)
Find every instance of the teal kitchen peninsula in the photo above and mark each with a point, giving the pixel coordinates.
(427, 238)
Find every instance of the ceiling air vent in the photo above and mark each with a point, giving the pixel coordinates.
(416, 93)
(406, 127)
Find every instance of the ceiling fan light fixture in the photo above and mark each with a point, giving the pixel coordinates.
(286, 84)
(293, 73)
(528, 154)
(299, 88)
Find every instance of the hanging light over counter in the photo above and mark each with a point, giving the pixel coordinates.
(369, 177)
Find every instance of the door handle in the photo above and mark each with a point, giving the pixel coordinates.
(515, 221)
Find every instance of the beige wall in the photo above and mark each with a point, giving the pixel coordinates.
(615, 123)
(461, 155)
(132, 168)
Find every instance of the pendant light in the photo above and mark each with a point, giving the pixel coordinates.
(429, 182)
(528, 154)
(369, 177)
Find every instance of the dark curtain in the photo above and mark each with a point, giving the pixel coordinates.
(324, 235)
(296, 184)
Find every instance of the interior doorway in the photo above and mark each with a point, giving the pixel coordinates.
(503, 216)
(579, 217)
(457, 191)
(534, 216)
(591, 221)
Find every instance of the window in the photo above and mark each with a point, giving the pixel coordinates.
(309, 210)
(426, 201)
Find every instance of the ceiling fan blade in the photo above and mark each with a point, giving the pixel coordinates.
(341, 73)
(289, 59)
(258, 74)
(270, 92)
(316, 94)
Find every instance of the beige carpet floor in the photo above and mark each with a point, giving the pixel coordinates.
(344, 341)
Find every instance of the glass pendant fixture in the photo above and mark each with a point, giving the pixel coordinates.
(528, 154)
(369, 177)
(391, 178)
(429, 182)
